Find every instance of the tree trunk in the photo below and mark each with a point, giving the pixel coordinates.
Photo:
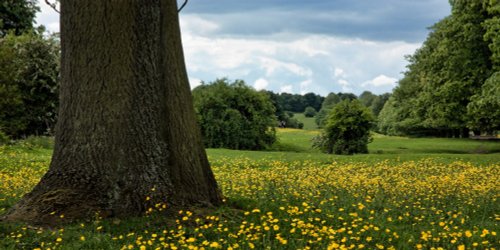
(127, 137)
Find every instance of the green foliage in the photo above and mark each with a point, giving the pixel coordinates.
(492, 27)
(484, 109)
(309, 112)
(373, 102)
(295, 102)
(367, 98)
(386, 121)
(292, 122)
(29, 72)
(378, 103)
(330, 101)
(347, 130)
(17, 16)
(313, 100)
(233, 115)
(443, 75)
(4, 139)
(285, 118)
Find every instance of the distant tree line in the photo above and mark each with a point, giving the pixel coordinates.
(452, 83)
(314, 105)
(297, 103)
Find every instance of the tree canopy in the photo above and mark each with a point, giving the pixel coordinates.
(445, 73)
(17, 16)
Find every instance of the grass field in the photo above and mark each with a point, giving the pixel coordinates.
(309, 122)
(407, 193)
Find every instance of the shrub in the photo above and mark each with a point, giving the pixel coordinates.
(309, 112)
(347, 129)
(235, 116)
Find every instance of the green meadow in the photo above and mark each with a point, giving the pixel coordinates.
(407, 193)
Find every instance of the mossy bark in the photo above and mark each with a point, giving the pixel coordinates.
(126, 128)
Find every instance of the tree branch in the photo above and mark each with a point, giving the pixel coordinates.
(179, 10)
(52, 5)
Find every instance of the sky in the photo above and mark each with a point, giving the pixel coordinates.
(300, 46)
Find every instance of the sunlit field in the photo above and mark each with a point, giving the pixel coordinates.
(294, 200)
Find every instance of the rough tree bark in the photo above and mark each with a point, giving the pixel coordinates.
(126, 128)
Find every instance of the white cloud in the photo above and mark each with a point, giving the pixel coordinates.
(272, 66)
(304, 46)
(260, 84)
(381, 81)
(346, 86)
(284, 59)
(202, 26)
(291, 59)
(343, 82)
(48, 16)
(304, 86)
(338, 72)
(194, 82)
(286, 89)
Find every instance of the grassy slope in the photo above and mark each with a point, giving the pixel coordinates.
(309, 122)
(294, 145)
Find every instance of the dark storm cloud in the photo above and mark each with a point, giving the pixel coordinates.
(379, 20)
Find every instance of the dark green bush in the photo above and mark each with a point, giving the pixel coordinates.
(347, 129)
(233, 115)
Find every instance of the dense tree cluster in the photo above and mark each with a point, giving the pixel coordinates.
(285, 117)
(29, 72)
(451, 85)
(298, 103)
(234, 115)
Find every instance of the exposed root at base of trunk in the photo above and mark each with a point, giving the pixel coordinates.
(53, 207)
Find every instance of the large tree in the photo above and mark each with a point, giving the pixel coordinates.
(126, 137)
(234, 115)
(443, 75)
